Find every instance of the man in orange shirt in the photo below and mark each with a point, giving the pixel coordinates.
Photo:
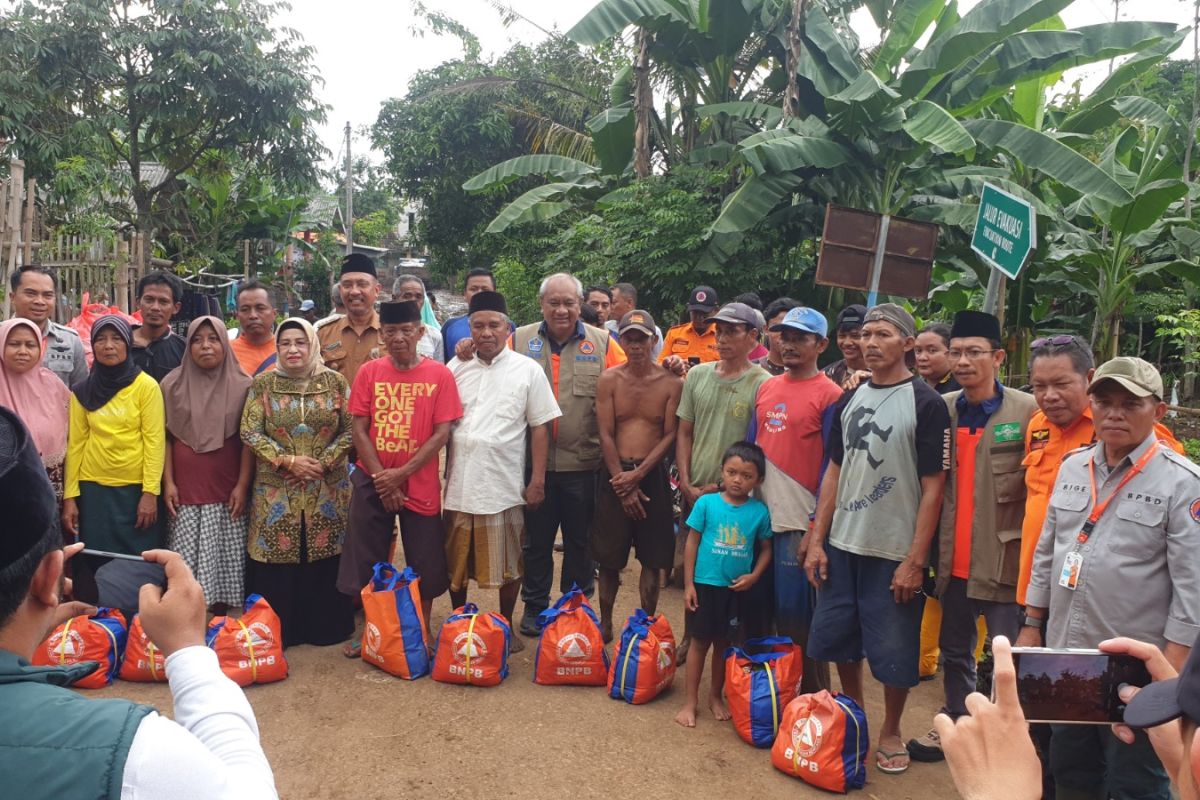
(694, 342)
(254, 347)
(1060, 368)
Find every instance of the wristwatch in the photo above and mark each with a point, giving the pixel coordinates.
(1034, 622)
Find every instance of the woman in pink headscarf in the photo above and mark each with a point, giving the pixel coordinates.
(35, 393)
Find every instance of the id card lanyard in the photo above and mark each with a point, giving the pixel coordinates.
(1073, 565)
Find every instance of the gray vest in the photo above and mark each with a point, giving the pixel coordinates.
(55, 743)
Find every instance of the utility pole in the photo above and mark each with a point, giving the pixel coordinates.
(348, 222)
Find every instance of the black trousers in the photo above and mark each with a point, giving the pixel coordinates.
(570, 503)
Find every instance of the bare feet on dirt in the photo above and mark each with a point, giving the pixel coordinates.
(686, 717)
(716, 704)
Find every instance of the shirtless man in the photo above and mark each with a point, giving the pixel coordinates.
(635, 409)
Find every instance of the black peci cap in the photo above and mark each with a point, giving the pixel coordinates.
(26, 496)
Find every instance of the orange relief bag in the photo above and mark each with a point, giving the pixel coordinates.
(643, 666)
(472, 648)
(823, 741)
(761, 677)
(98, 638)
(570, 649)
(250, 649)
(143, 661)
(394, 631)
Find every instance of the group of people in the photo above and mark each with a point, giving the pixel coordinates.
(828, 505)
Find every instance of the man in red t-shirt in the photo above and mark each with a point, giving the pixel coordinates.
(403, 406)
(789, 412)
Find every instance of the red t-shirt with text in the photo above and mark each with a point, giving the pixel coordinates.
(404, 406)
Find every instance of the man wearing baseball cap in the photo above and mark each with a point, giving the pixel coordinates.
(789, 412)
(848, 329)
(635, 409)
(695, 341)
(1119, 555)
(879, 503)
(714, 412)
(308, 310)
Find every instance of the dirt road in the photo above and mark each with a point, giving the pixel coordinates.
(341, 729)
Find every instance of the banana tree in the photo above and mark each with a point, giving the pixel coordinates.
(1108, 250)
(901, 116)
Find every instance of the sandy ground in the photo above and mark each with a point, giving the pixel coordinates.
(339, 728)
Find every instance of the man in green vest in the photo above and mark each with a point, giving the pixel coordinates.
(573, 355)
(979, 536)
(54, 743)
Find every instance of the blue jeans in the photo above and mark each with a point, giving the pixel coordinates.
(1087, 761)
(569, 504)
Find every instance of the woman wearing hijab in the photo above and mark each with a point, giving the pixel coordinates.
(297, 423)
(35, 394)
(115, 451)
(208, 472)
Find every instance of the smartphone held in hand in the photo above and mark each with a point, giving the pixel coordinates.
(1074, 687)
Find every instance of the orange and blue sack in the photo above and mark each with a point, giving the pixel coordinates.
(570, 649)
(143, 660)
(394, 632)
(249, 649)
(644, 665)
(472, 648)
(99, 638)
(823, 741)
(761, 678)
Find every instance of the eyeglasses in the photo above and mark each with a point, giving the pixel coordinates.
(1056, 341)
(975, 353)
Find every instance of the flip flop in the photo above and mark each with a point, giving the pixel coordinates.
(352, 648)
(888, 757)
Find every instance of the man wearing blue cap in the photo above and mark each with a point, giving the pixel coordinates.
(789, 412)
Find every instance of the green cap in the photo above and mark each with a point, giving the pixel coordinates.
(1138, 376)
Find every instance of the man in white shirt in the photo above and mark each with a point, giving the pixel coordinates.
(55, 743)
(504, 395)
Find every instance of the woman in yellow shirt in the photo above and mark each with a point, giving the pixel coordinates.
(115, 451)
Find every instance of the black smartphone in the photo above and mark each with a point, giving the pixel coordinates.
(116, 578)
(1074, 687)
(693, 361)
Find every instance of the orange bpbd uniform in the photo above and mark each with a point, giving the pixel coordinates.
(683, 341)
(394, 626)
(643, 666)
(761, 677)
(472, 648)
(823, 741)
(1046, 445)
(249, 649)
(99, 638)
(570, 650)
(143, 660)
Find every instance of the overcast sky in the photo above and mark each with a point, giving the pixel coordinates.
(366, 51)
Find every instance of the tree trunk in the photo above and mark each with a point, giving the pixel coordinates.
(795, 52)
(1192, 123)
(643, 101)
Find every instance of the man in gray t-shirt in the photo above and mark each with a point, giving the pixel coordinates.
(879, 503)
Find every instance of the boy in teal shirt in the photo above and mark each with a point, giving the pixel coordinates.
(725, 531)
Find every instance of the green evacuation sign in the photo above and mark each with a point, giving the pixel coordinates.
(1004, 230)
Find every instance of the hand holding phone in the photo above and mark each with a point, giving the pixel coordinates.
(1075, 687)
(991, 747)
(174, 618)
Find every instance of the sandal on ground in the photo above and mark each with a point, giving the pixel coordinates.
(882, 755)
(927, 749)
(352, 648)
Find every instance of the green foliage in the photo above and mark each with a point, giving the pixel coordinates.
(372, 229)
(1181, 329)
(1192, 449)
(162, 81)
(464, 116)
